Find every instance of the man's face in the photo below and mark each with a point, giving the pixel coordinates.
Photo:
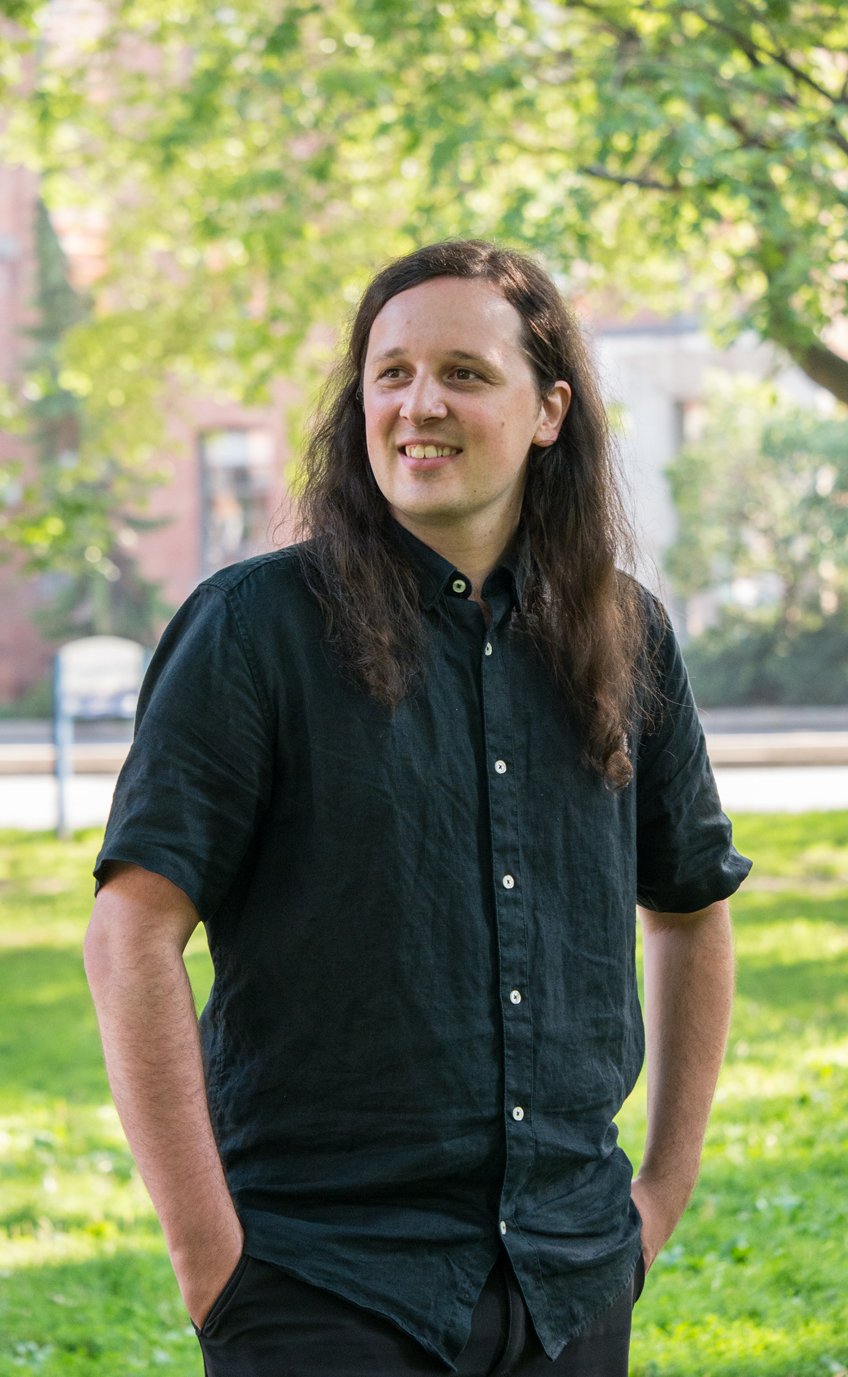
(451, 403)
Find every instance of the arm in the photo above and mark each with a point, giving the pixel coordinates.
(688, 1000)
(134, 962)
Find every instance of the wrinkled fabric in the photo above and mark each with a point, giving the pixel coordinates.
(266, 1323)
(425, 1017)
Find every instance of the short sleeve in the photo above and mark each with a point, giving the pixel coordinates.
(196, 782)
(685, 854)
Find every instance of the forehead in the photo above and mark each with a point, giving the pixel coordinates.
(448, 314)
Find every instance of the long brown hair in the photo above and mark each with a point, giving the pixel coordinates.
(586, 616)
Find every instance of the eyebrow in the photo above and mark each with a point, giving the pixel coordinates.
(399, 352)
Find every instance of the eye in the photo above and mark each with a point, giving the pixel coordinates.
(391, 374)
(465, 375)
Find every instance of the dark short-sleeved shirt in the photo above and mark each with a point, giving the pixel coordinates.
(425, 1017)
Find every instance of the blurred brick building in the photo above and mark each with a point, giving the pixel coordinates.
(23, 656)
(226, 494)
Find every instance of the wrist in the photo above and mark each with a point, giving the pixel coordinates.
(660, 1204)
(669, 1189)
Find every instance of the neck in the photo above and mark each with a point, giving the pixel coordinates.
(474, 544)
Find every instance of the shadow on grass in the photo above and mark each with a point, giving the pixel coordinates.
(802, 990)
(759, 906)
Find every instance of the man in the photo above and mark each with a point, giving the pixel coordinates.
(414, 775)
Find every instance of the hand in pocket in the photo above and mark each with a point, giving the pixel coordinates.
(204, 1282)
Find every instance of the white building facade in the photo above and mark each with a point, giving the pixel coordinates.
(654, 377)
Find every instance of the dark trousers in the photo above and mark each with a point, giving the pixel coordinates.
(267, 1324)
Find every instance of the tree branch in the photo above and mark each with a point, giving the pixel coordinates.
(619, 30)
(755, 52)
(623, 179)
(749, 140)
(838, 137)
(821, 364)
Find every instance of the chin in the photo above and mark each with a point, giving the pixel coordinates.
(427, 508)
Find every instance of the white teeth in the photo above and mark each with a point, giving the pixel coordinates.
(429, 451)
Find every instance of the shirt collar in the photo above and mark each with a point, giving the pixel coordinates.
(437, 576)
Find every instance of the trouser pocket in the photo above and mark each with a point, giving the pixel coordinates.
(638, 1282)
(224, 1297)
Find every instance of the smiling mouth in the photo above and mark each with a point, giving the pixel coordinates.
(429, 451)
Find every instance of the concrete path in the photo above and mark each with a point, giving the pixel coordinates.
(783, 788)
(28, 802)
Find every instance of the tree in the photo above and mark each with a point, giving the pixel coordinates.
(730, 118)
(762, 501)
(252, 162)
(77, 518)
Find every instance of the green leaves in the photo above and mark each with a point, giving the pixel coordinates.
(762, 501)
(764, 493)
(77, 516)
(249, 164)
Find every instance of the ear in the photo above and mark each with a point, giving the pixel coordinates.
(552, 413)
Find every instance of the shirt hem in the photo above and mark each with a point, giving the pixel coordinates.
(264, 1251)
(554, 1351)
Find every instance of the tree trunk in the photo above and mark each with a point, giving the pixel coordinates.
(802, 344)
(825, 368)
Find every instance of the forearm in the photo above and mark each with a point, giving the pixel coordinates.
(150, 1039)
(688, 1000)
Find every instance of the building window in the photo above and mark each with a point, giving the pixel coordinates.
(236, 471)
(689, 421)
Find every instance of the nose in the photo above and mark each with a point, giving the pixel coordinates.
(423, 401)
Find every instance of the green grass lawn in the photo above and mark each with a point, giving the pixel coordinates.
(755, 1283)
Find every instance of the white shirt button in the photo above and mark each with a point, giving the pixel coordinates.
(503, 1226)
(488, 647)
(518, 1113)
(515, 996)
(508, 882)
(459, 585)
(500, 767)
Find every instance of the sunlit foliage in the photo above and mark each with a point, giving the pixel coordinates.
(762, 504)
(248, 165)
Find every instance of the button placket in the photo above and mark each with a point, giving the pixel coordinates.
(509, 919)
